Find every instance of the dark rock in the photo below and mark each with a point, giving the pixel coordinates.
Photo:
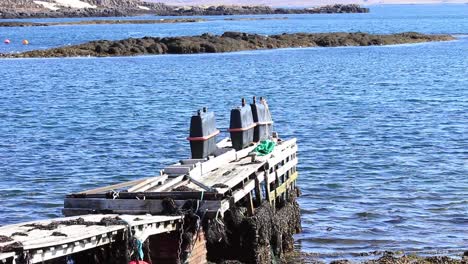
(59, 234)
(5, 239)
(183, 188)
(11, 247)
(227, 42)
(19, 234)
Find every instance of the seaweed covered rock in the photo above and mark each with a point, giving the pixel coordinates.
(227, 42)
(264, 237)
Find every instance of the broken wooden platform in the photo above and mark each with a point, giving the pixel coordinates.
(49, 239)
(215, 183)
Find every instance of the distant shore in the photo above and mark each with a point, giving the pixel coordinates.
(227, 42)
(160, 9)
(127, 21)
(99, 22)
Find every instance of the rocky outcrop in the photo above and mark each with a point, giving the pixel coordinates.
(258, 10)
(107, 8)
(379, 257)
(42, 13)
(99, 22)
(19, 4)
(228, 42)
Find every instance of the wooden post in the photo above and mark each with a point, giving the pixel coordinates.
(250, 206)
(267, 185)
(258, 192)
(277, 184)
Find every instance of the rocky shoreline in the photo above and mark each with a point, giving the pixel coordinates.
(128, 21)
(227, 42)
(133, 8)
(99, 22)
(387, 257)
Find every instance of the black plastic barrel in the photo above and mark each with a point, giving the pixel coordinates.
(241, 126)
(262, 117)
(203, 134)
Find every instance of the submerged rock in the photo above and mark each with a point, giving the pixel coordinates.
(227, 42)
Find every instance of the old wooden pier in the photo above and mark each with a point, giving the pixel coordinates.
(157, 207)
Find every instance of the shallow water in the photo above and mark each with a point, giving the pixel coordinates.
(382, 130)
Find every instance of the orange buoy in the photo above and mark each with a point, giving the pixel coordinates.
(25, 42)
(7, 41)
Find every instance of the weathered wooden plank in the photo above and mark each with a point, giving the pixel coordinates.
(113, 187)
(216, 162)
(246, 189)
(280, 156)
(134, 206)
(244, 172)
(147, 184)
(178, 169)
(200, 184)
(169, 184)
(173, 194)
(191, 161)
(244, 169)
(288, 166)
(79, 241)
(4, 257)
(40, 238)
(185, 182)
(282, 188)
(245, 152)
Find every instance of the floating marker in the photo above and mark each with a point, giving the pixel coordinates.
(7, 41)
(25, 42)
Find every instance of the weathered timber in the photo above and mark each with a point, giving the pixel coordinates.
(79, 233)
(156, 195)
(128, 206)
(114, 187)
(148, 184)
(217, 183)
(282, 188)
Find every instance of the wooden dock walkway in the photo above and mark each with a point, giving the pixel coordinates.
(100, 216)
(216, 183)
(48, 239)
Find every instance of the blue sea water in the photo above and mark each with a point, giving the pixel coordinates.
(382, 131)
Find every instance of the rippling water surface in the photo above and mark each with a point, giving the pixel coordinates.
(383, 131)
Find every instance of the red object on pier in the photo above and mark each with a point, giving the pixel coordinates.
(138, 262)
